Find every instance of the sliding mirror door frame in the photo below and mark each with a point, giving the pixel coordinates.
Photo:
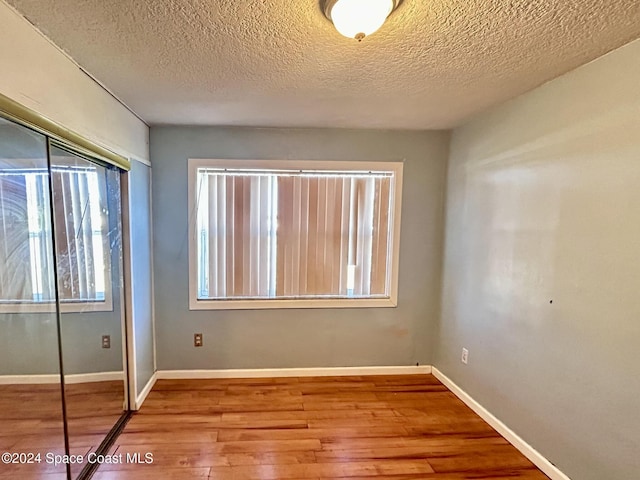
(138, 259)
(109, 201)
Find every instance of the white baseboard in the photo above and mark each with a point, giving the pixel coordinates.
(513, 438)
(93, 377)
(55, 378)
(29, 379)
(292, 372)
(145, 391)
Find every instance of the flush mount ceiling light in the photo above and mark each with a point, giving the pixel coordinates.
(358, 18)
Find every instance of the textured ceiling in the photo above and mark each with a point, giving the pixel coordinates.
(281, 63)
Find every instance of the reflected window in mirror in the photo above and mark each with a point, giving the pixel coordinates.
(81, 238)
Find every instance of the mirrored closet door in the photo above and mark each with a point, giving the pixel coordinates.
(88, 254)
(31, 413)
(61, 304)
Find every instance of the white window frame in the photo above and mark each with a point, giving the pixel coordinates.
(49, 306)
(278, 303)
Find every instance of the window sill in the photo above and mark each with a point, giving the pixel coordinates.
(292, 303)
(50, 307)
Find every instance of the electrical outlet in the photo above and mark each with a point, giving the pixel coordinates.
(465, 356)
(106, 341)
(197, 339)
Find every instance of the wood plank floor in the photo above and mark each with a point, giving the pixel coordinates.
(371, 427)
(31, 421)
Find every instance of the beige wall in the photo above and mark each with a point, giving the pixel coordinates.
(542, 266)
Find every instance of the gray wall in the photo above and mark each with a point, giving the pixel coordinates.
(82, 341)
(142, 299)
(310, 337)
(542, 266)
(28, 344)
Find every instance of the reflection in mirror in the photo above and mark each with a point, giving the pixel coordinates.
(31, 419)
(88, 243)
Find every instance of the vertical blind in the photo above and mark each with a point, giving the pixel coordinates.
(79, 234)
(285, 234)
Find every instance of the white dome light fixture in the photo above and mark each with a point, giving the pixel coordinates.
(358, 18)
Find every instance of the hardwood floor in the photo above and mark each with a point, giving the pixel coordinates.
(31, 421)
(372, 427)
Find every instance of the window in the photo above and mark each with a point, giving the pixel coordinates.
(26, 244)
(282, 234)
